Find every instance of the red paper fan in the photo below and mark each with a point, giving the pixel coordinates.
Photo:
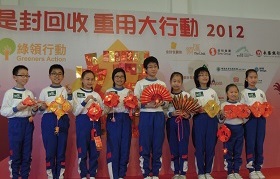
(243, 111)
(223, 133)
(155, 92)
(267, 109)
(111, 99)
(257, 109)
(230, 111)
(94, 112)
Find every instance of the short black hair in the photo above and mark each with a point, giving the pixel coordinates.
(115, 71)
(86, 72)
(17, 68)
(56, 66)
(196, 73)
(150, 59)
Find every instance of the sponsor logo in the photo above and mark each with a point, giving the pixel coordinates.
(268, 53)
(194, 50)
(173, 49)
(236, 81)
(243, 52)
(7, 47)
(216, 83)
(81, 95)
(260, 69)
(213, 51)
(239, 69)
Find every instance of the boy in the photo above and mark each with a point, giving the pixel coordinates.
(55, 142)
(20, 125)
(151, 122)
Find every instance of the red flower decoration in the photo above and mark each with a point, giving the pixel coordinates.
(267, 109)
(111, 100)
(94, 112)
(223, 133)
(243, 111)
(155, 92)
(231, 111)
(28, 101)
(257, 109)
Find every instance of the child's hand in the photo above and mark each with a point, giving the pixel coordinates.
(150, 105)
(176, 113)
(21, 106)
(89, 97)
(68, 89)
(35, 107)
(43, 106)
(186, 115)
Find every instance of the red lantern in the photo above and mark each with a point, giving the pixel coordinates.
(94, 112)
(130, 102)
(243, 111)
(230, 111)
(257, 109)
(111, 99)
(267, 109)
(223, 133)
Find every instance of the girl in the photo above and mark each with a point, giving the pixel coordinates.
(83, 98)
(204, 127)
(234, 145)
(118, 129)
(178, 130)
(254, 128)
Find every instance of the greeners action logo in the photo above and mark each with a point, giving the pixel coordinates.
(7, 47)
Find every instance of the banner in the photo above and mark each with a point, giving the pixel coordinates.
(103, 40)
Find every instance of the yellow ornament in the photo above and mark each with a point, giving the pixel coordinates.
(53, 106)
(66, 106)
(60, 99)
(59, 113)
(211, 108)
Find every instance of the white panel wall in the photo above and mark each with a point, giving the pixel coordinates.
(260, 9)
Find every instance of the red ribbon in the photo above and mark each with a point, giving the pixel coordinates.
(178, 120)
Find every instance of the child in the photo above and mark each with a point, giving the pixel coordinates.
(83, 98)
(54, 143)
(204, 127)
(234, 145)
(178, 130)
(254, 128)
(151, 122)
(20, 125)
(119, 129)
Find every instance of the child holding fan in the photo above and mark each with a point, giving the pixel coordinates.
(178, 130)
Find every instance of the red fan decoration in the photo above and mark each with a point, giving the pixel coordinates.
(130, 102)
(223, 133)
(155, 92)
(231, 111)
(94, 112)
(243, 111)
(185, 104)
(28, 101)
(257, 109)
(267, 109)
(111, 99)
